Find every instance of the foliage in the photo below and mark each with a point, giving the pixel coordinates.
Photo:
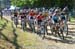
(43, 3)
(2, 22)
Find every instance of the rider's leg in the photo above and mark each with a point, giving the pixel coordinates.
(46, 29)
(39, 27)
(16, 22)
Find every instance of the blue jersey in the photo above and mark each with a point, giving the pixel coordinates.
(63, 17)
(55, 19)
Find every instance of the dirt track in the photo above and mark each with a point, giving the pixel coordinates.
(50, 41)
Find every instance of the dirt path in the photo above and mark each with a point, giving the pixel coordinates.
(69, 43)
(36, 42)
(50, 41)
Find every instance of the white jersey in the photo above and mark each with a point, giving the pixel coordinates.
(56, 10)
(54, 14)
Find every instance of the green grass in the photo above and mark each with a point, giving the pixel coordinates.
(28, 39)
(2, 22)
(72, 19)
(23, 38)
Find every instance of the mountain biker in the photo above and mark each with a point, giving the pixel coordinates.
(31, 20)
(16, 18)
(40, 18)
(23, 20)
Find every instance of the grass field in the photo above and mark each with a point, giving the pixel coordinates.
(72, 19)
(2, 22)
(12, 40)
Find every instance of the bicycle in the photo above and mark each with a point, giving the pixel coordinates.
(16, 21)
(23, 24)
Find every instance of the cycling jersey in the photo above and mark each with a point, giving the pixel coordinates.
(22, 17)
(55, 19)
(15, 14)
(39, 18)
(31, 15)
(62, 17)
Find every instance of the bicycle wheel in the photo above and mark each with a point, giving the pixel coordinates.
(23, 26)
(62, 32)
(43, 31)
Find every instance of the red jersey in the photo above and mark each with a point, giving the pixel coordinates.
(32, 14)
(40, 17)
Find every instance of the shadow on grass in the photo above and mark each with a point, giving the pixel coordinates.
(14, 42)
(28, 30)
(71, 33)
(71, 28)
(68, 40)
(72, 24)
(15, 38)
(62, 41)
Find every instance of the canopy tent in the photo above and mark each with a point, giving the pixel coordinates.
(13, 8)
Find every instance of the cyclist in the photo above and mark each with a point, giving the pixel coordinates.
(40, 18)
(23, 20)
(31, 20)
(66, 11)
(63, 22)
(16, 18)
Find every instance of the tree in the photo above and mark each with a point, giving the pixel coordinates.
(42, 3)
(21, 3)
